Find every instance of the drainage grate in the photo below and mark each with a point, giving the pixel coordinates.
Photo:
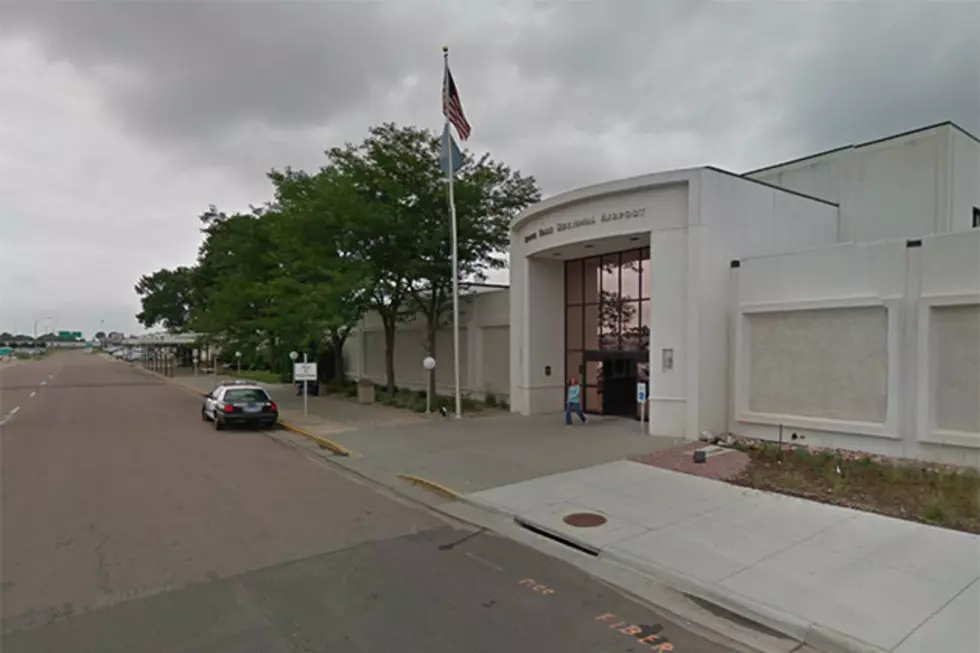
(584, 519)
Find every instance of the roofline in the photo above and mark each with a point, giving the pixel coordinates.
(637, 183)
(945, 123)
(773, 186)
(604, 189)
(969, 135)
(474, 284)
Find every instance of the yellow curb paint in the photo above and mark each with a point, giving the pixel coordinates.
(332, 446)
(432, 486)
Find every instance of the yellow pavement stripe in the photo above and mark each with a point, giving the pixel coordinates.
(432, 486)
(323, 442)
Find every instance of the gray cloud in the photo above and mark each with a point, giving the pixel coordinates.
(874, 72)
(119, 121)
(197, 70)
(206, 77)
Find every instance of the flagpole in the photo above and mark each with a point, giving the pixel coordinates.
(452, 227)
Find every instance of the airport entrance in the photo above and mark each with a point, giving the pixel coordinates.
(607, 329)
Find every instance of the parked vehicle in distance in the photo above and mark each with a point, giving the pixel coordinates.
(239, 403)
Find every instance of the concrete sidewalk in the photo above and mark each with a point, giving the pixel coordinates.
(488, 450)
(835, 578)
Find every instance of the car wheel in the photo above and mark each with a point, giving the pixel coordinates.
(218, 424)
(204, 414)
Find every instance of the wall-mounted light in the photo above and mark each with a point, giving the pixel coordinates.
(634, 238)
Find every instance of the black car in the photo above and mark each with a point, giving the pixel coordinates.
(239, 404)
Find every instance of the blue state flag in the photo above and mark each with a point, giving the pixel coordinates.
(449, 147)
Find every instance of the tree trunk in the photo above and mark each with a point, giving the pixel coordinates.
(337, 342)
(389, 328)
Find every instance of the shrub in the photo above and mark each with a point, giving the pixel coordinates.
(490, 400)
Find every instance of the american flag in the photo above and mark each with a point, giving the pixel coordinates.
(452, 108)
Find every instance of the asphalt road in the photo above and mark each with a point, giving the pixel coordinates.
(130, 525)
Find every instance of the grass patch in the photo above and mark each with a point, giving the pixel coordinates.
(932, 494)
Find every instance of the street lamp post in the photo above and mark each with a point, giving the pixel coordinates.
(238, 363)
(429, 363)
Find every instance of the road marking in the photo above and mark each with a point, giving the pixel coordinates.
(535, 586)
(50, 376)
(644, 634)
(14, 411)
(43, 382)
(33, 392)
(481, 560)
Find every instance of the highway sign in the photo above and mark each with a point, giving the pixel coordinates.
(304, 371)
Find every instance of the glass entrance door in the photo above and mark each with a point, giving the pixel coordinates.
(617, 374)
(619, 386)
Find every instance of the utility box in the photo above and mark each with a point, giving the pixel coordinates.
(365, 392)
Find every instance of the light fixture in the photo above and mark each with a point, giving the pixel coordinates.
(634, 238)
(557, 254)
(589, 246)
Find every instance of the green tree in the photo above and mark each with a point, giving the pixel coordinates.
(322, 284)
(406, 235)
(385, 236)
(235, 262)
(167, 298)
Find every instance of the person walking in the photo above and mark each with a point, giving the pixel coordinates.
(573, 402)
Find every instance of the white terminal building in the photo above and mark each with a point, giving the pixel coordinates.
(836, 296)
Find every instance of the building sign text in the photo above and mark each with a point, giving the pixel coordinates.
(583, 222)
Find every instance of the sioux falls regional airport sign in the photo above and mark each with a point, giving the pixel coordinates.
(568, 225)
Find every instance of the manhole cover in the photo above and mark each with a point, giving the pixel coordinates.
(584, 519)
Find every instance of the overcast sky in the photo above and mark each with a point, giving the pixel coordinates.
(120, 122)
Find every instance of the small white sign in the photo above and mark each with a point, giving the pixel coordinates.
(304, 371)
(641, 392)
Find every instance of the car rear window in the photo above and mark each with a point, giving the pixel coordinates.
(246, 394)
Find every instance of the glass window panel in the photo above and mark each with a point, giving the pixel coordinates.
(593, 401)
(630, 275)
(590, 279)
(645, 317)
(643, 372)
(591, 327)
(609, 271)
(573, 282)
(573, 365)
(573, 327)
(610, 318)
(631, 334)
(593, 373)
(645, 273)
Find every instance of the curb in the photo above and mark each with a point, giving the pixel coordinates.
(432, 486)
(322, 442)
(768, 618)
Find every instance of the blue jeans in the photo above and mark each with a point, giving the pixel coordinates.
(576, 408)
